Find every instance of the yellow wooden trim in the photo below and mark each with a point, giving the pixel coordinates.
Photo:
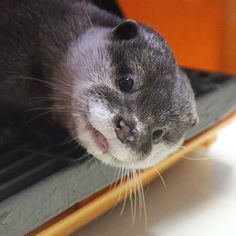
(83, 215)
(210, 141)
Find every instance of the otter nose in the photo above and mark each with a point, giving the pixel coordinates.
(125, 131)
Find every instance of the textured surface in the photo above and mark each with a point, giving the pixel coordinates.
(216, 97)
(51, 196)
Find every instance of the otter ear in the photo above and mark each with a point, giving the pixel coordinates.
(126, 30)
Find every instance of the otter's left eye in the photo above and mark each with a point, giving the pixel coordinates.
(125, 83)
(157, 135)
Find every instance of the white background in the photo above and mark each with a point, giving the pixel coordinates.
(200, 198)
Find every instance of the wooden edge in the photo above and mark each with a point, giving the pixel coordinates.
(210, 141)
(81, 214)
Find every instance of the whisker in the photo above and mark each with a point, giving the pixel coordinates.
(192, 151)
(134, 181)
(86, 11)
(143, 199)
(126, 193)
(69, 140)
(162, 179)
(196, 158)
(112, 187)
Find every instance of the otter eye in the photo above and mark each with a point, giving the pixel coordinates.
(125, 83)
(157, 134)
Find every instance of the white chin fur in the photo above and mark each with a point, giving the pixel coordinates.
(153, 159)
(117, 155)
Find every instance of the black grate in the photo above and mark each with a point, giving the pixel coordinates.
(29, 161)
(204, 82)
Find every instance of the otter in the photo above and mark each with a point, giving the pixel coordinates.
(112, 83)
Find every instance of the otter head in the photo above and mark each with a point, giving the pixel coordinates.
(131, 103)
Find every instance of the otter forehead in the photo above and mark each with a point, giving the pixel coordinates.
(149, 61)
(146, 54)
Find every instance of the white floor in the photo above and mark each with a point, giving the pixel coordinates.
(200, 198)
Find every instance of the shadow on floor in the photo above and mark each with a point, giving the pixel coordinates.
(189, 184)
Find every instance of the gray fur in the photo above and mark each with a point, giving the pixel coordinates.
(50, 49)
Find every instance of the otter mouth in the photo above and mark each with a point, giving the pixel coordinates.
(99, 139)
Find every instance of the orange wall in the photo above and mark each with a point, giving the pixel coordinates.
(197, 30)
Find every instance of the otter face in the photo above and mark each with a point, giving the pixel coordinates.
(133, 102)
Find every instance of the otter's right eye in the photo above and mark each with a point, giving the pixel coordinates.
(125, 83)
(157, 135)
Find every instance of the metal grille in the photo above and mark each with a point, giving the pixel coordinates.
(30, 161)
